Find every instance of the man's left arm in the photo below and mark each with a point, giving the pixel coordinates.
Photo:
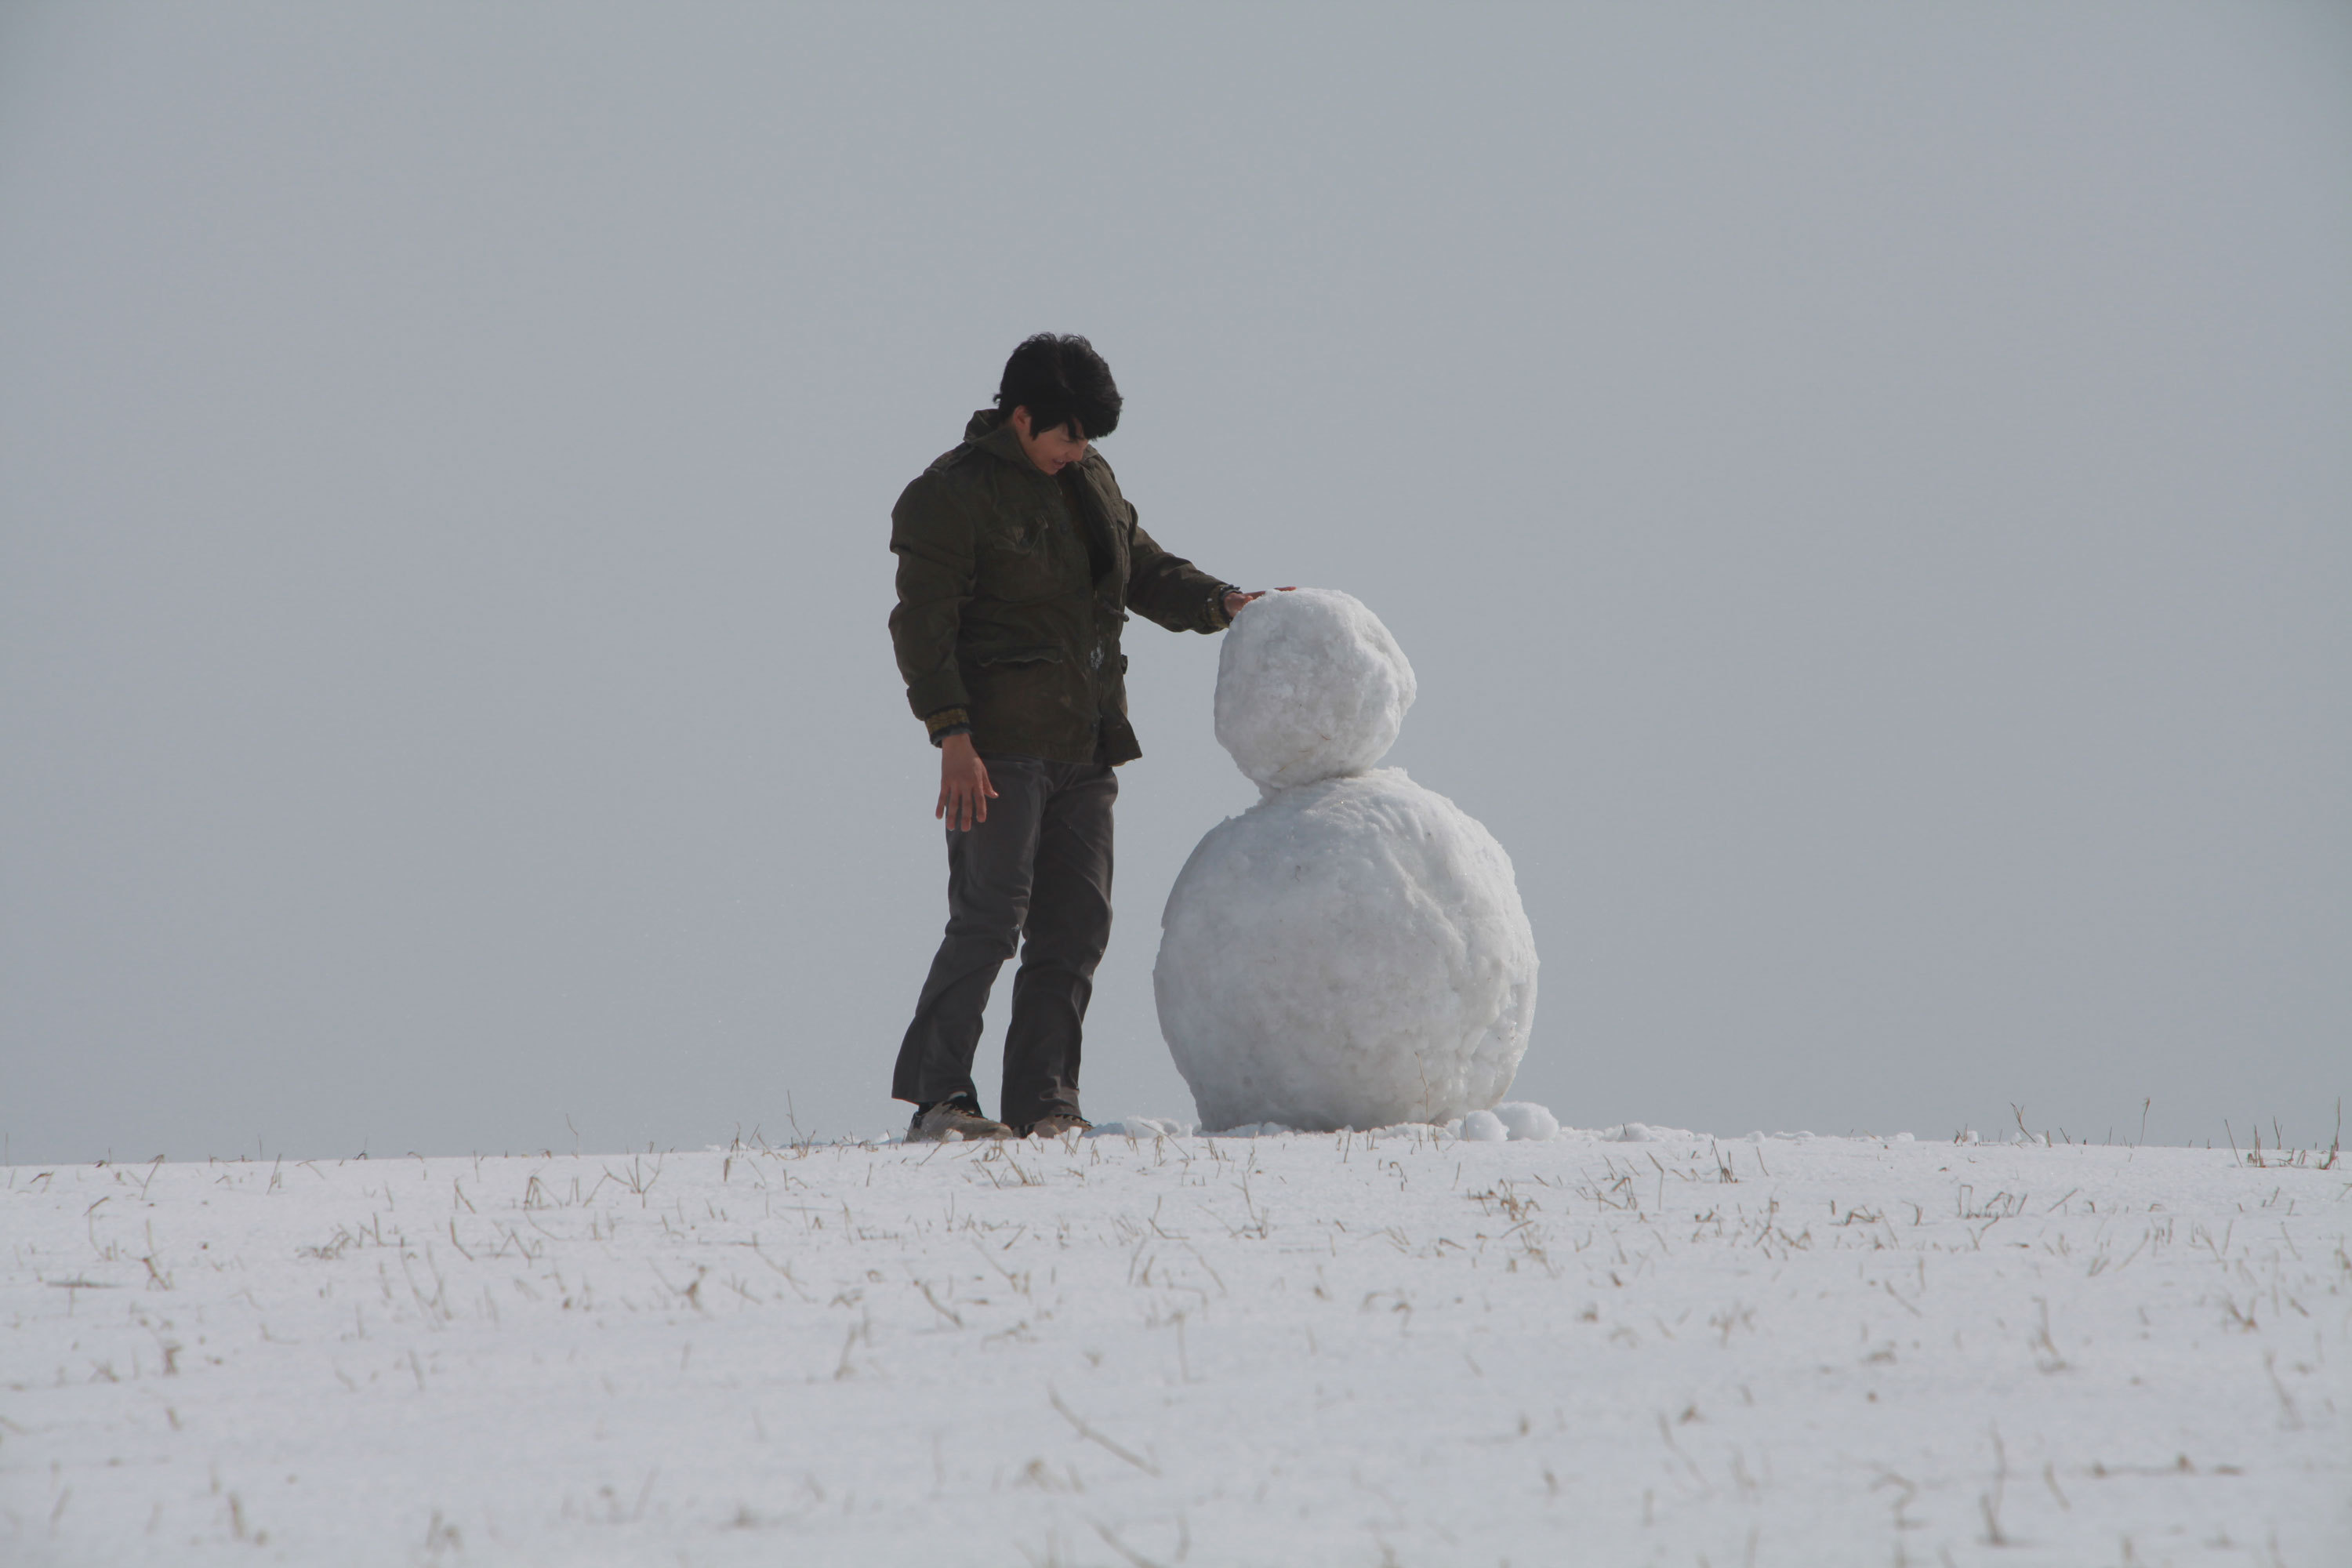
(1173, 592)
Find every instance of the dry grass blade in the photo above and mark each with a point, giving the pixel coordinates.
(1111, 1540)
(1091, 1436)
(950, 1313)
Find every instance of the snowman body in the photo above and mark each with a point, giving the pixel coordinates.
(1351, 952)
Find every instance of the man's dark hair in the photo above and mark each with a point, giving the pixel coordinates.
(1061, 381)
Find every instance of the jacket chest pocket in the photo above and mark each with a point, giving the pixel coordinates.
(1021, 558)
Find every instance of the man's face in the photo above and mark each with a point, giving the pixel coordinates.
(1052, 451)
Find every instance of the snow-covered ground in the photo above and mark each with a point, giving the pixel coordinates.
(1398, 1348)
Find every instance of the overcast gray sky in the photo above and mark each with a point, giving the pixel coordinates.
(1867, 492)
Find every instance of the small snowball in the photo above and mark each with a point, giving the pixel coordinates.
(1632, 1132)
(1484, 1127)
(1309, 686)
(1525, 1119)
(1903, 1138)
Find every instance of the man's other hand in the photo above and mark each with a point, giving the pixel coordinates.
(964, 789)
(1237, 601)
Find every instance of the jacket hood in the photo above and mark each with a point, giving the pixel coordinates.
(990, 430)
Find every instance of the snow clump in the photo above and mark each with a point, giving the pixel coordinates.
(1526, 1119)
(1351, 952)
(1140, 1127)
(1484, 1127)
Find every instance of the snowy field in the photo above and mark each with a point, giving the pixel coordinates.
(1401, 1348)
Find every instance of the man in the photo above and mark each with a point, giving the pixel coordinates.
(1018, 560)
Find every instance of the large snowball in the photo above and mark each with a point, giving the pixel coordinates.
(1348, 953)
(1309, 686)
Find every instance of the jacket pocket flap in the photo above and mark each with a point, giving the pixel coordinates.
(984, 656)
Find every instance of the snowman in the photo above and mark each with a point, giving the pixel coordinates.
(1351, 951)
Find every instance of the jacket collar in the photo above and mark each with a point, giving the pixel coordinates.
(989, 431)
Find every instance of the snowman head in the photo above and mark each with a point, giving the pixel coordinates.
(1309, 686)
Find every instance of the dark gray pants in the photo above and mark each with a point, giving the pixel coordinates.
(1036, 875)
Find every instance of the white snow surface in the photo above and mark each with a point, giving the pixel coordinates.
(1292, 1350)
(1310, 686)
(1347, 953)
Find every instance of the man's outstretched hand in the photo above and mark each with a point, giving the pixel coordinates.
(1237, 601)
(964, 789)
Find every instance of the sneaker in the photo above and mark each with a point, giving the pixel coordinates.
(950, 1122)
(1056, 1124)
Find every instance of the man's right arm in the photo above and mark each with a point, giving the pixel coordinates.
(933, 537)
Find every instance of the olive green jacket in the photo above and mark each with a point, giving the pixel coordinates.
(1012, 586)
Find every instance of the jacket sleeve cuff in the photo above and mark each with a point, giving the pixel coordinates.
(948, 722)
(1218, 619)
